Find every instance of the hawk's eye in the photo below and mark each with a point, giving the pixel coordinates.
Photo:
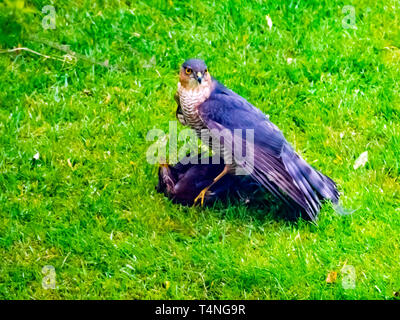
(206, 71)
(188, 71)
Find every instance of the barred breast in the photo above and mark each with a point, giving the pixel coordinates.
(189, 102)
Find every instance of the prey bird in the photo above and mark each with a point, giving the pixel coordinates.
(183, 182)
(206, 104)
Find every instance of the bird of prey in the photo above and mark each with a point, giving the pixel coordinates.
(183, 182)
(204, 103)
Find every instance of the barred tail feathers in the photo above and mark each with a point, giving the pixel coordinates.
(314, 185)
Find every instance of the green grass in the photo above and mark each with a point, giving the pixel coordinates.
(88, 206)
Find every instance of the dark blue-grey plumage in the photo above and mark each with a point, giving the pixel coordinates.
(294, 180)
(196, 65)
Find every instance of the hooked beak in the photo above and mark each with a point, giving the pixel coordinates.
(199, 77)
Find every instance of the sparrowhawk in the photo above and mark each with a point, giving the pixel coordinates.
(204, 103)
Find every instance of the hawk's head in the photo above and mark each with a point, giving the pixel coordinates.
(194, 73)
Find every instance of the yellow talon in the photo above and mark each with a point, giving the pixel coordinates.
(203, 192)
(201, 195)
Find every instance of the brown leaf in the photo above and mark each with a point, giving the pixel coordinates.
(332, 276)
(69, 163)
(107, 99)
(87, 92)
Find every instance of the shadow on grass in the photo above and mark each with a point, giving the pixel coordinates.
(260, 208)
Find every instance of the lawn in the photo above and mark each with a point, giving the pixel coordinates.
(76, 191)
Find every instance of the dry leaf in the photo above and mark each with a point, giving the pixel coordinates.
(87, 92)
(69, 163)
(107, 99)
(332, 276)
(361, 160)
(269, 21)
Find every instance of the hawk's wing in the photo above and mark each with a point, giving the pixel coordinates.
(179, 113)
(276, 166)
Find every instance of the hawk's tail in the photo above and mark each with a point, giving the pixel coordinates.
(314, 185)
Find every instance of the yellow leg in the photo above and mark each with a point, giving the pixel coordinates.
(204, 191)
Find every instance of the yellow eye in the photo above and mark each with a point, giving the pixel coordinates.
(188, 71)
(206, 71)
